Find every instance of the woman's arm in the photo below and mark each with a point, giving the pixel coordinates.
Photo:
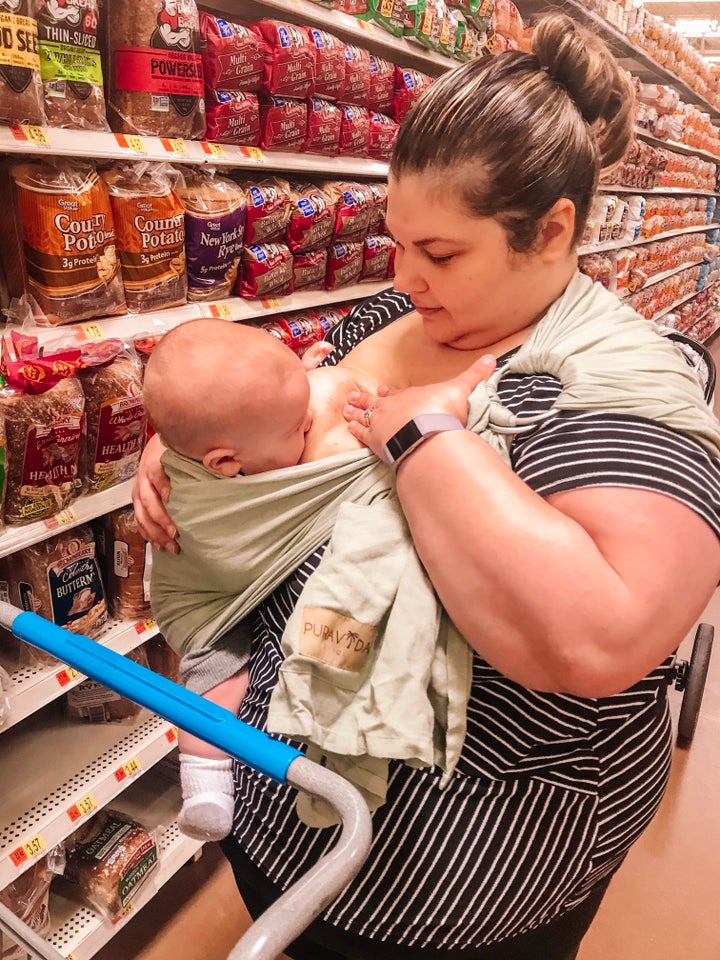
(584, 592)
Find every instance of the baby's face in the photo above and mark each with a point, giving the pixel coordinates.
(277, 438)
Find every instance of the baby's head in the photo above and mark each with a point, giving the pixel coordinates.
(229, 395)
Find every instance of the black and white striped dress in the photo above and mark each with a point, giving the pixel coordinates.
(551, 789)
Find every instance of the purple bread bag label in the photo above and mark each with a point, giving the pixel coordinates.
(213, 247)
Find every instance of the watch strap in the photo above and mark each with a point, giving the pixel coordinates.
(409, 437)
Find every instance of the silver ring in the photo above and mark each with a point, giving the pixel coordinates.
(367, 414)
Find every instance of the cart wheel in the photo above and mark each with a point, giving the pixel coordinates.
(691, 679)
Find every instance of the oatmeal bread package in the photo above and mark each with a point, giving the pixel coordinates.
(59, 579)
(126, 561)
(269, 207)
(233, 54)
(345, 261)
(382, 84)
(378, 258)
(21, 93)
(329, 63)
(91, 702)
(283, 123)
(354, 131)
(155, 70)
(28, 897)
(289, 59)
(322, 134)
(353, 204)
(309, 270)
(70, 63)
(232, 117)
(110, 858)
(111, 378)
(150, 234)
(266, 271)
(215, 211)
(45, 433)
(69, 265)
(312, 218)
(357, 75)
(382, 135)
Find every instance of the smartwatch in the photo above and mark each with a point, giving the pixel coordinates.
(409, 437)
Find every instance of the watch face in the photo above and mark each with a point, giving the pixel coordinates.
(403, 440)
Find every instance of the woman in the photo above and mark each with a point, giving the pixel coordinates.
(573, 570)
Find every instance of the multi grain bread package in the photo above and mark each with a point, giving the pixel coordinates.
(110, 859)
(233, 116)
(329, 64)
(354, 131)
(283, 122)
(382, 84)
(28, 897)
(70, 63)
(150, 235)
(233, 54)
(59, 579)
(126, 564)
(65, 223)
(21, 92)
(357, 75)
(215, 211)
(383, 131)
(92, 702)
(111, 379)
(322, 134)
(289, 59)
(155, 73)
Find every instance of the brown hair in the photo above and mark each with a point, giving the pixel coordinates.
(519, 131)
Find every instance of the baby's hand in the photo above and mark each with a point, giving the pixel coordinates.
(315, 354)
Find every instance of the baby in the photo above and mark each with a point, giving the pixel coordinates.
(237, 401)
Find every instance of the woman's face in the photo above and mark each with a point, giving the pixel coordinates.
(469, 287)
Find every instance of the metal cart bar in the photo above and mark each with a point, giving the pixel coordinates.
(300, 904)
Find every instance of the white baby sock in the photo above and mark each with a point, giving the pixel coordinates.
(208, 797)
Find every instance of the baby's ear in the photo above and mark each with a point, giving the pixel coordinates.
(315, 354)
(223, 462)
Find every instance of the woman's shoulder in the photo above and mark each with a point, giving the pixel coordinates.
(366, 318)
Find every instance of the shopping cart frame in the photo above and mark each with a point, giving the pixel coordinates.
(286, 919)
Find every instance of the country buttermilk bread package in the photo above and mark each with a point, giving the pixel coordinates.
(70, 63)
(59, 247)
(21, 94)
(155, 71)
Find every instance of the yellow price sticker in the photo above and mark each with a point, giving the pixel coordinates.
(171, 734)
(365, 25)
(253, 153)
(175, 145)
(149, 624)
(71, 956)
(67, 675)
(36, 135)
(128, 769)
(126, 910)
(82, 808)
(271, 303)
(221, 311)
(28, 851)
(213, 149)
(61, 518)
(92, 331)
(129, 141)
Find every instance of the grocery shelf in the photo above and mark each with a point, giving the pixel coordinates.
(631, 57)
(678, 303)
(84, 508)
(676, 147)
(639, 241)
(657, 277)
(34, 687)
(232, 308)
(55, 772)
(79, 932)
(252, 158)
(663, 191)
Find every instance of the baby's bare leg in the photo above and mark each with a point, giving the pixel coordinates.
(228, 694)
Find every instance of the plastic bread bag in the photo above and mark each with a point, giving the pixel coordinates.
(116, 426)
(92, 702)
(109, 859)
(215, 212)
(29, 899)
(70, 63)
(126, 560)
(312, 219)
(266, 271)
(150, 234)
(21, 93)
(233, 54)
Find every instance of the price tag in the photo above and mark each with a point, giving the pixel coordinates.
(130, 142)
(91, 331)
(128, 769)
(66, 676)
(221, 311)
(213, 149)
(365, 25)
(150, 624)
(253, 153)
(60, 519)
(171, 735)
(127, 909)
(37, 135)
(82, 808)
(271, 303)
(176, 146)
(28, 851)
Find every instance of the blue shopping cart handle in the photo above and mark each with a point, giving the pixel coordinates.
(185, 709)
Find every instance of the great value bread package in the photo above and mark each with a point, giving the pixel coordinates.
(28, 897)
(155, 74)
(70, 63)
(215, 212)
(59, 579)
(150, 235)
(312, 218)
(126, 564)
(111, 379)
(233, 54)
(43, 408)
(112, 856)
(289, 59)
(21, 94)
(92, 702)
(68, 264)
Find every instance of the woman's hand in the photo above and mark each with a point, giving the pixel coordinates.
(150, 491)
(391, 409)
